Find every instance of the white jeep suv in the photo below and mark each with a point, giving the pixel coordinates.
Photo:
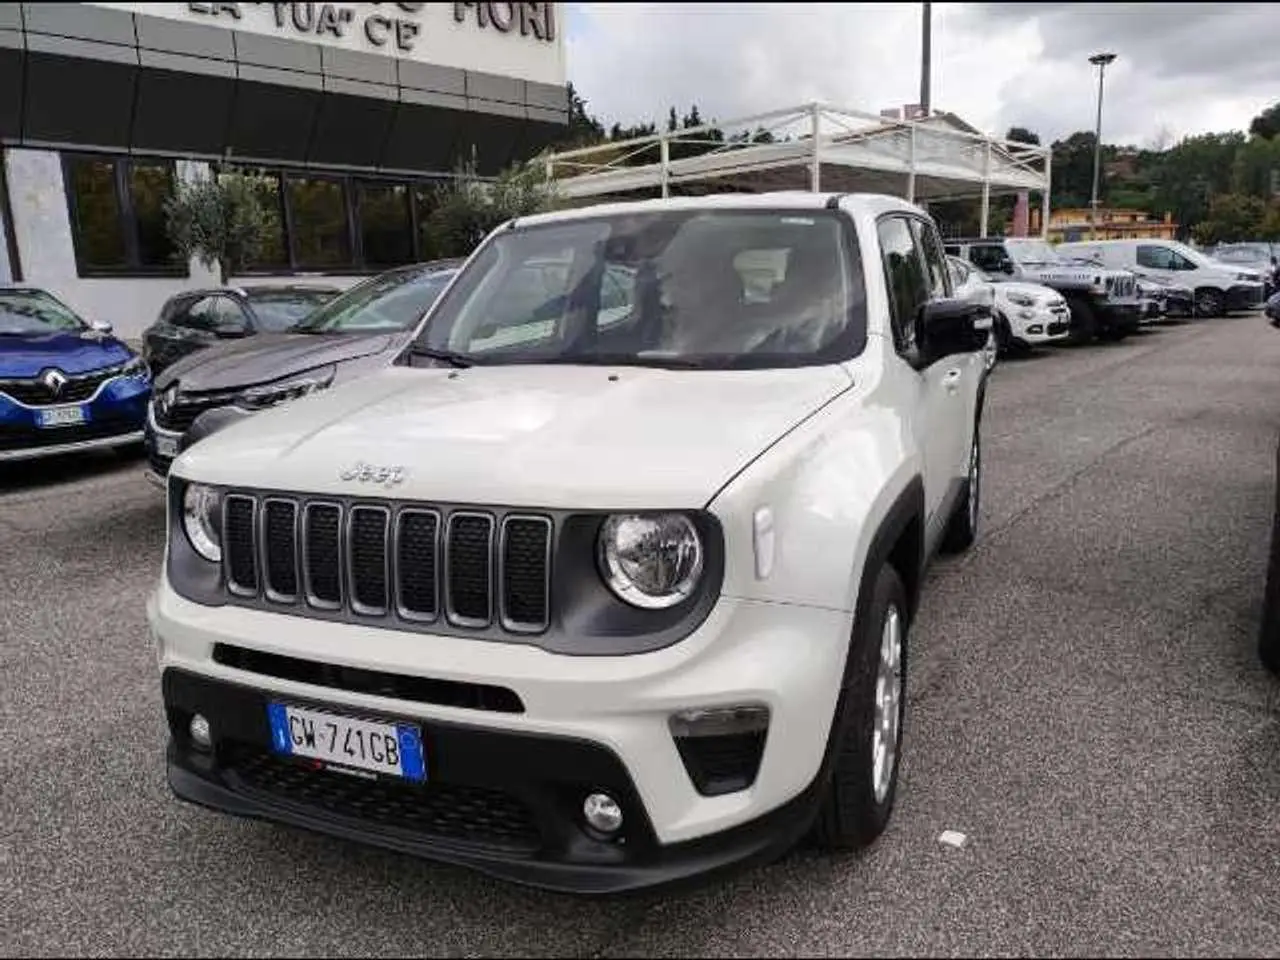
(608, 580)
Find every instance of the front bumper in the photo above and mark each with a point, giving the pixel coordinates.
(1245, 296)
(1122, 314)
(113, 417)
(1039, 324)
(503, 803)
(610, 713)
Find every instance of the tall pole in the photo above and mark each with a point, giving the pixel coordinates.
(925, 57)
(1100, 60)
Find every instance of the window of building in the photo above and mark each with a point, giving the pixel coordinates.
(386, 234)
(340, 223)
(116, 207)
(319, 222)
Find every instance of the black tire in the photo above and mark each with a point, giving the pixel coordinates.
(1210, 302)
(1084, 322)
(962, 528)
(851, 815)
(1004, 335)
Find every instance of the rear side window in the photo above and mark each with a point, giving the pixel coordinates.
(988, 256)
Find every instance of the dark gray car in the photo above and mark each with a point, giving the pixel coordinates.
(356, 333)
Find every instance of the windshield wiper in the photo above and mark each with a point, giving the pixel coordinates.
(460, 360)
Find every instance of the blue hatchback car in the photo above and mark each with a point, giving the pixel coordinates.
(65, 385)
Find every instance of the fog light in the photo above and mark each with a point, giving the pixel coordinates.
(1035, 328)
(602, 812)
(201, 734)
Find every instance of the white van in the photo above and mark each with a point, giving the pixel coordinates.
(1219, 287)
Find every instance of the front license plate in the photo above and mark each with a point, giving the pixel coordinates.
(166, 446)
(61, 416)
(394, 749)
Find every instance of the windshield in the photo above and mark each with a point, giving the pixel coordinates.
(1032, 251)
(388, 302)
(280, 310)
(671, 288)
(32, 312)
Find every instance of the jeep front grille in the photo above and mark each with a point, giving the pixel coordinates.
(1121, 287)
(385, 562)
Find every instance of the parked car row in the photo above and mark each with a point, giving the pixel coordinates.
(1109, 287)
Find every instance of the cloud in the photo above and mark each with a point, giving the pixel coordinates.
(1181, 68)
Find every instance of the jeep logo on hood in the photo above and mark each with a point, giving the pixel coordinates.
(366, 473)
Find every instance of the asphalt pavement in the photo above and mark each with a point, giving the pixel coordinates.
(1086, 707)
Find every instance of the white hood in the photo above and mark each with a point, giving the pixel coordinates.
(1036, 291)
(537, 436)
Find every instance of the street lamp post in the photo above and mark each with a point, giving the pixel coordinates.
(1101, 61)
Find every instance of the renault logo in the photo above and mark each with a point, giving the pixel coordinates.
(55, 380)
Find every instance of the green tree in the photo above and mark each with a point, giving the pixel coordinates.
(1023, 135)
(1232, 217)
(1073, 171)
(1267, 123)
(468, 208)
(219, 220)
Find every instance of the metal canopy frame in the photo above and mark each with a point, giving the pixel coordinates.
(814, 147)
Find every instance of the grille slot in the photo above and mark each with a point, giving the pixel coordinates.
(525, 573)
(322, 552)
(468, 565)
(239, 544)
(367, 559)
(417, 562)
(280, 549)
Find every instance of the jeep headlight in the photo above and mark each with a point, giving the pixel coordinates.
(269, 394)
(1022, 299)
(136, 369)
(653, 561)
(1247, 276)
(201, 520)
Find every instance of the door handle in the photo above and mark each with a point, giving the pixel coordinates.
(951, 379)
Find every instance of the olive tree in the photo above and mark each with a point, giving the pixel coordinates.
(468, 207)
(219, 220)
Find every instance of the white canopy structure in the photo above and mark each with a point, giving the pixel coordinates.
(816, 147)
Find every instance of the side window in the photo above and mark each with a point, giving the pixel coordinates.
(935, 263)
(1178, 262)
(1155, 258)
(617, 295)
(228, 313)
(988, 257)
(199, 315)
(959, 272)
(904, 274)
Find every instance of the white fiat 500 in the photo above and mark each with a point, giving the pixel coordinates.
(1025, 314)
(608, 580)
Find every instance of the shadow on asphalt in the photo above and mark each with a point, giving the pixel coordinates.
(51, 471)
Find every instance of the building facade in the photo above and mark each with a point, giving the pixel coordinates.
(1068, 225)
(347, 115)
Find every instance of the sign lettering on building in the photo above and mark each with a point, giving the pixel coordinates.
(536, 20)
(513, 39)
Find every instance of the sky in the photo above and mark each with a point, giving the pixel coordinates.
(1181, 68)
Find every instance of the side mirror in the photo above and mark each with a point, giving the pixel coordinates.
(949, 327)
(100, 326)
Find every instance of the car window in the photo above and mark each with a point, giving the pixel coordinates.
(201, 314)
(227, 312)
(391, 301)
(35, 312)
(935, 263)
(905, 276)
(1156, 257)
(278, 310)
(687, 287)
(988, 256)
(959, 272)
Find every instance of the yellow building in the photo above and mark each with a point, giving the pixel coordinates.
(1074, 223)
